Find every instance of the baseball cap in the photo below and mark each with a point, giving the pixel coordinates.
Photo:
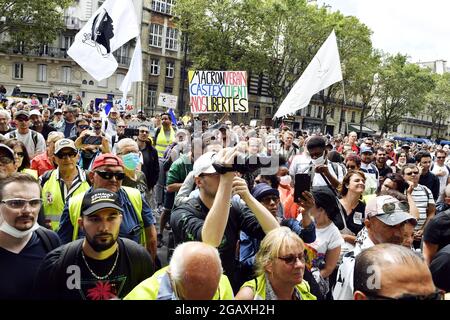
(58, 111)
(263, 189)
(406, 146)
(99, 199)
(64, 143)
(204, 164)
(35, 112)
(7, 151)
(366, 150)
(106, 159)
(389, 210)
(21, 113)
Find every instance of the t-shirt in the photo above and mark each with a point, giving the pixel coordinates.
(327, 238)
(431, 182)
(68, 129)
(422, 196)
(437, 231)
(442, 179)
(33, 148)
(17, 270)
(52, 282)
(140, 183)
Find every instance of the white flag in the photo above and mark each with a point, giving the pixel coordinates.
(322, 72)
(111, 26)
(134, 72)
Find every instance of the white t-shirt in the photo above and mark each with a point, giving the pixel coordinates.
(27, 139)
(442, 179)
(327, 238)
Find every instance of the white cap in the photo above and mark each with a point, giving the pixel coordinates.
(204, 164)
(35, 112)
(58, 111)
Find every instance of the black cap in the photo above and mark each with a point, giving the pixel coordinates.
(99, 199)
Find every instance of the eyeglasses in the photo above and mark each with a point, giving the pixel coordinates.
(20, 203)
(389, 208)
(267, 200)
(292, 259)
(109, 175)
(437, 295)
(62, 155)
(83, 127)
(6, 160)
(351, 167)
(20, 154)
(440, 157)
(121, 126)
(411, 173)
(143, 131)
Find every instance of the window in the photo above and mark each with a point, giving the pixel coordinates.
(256, 112)
(66, 74)
(67, 42)
(268, 111)
(156, 32)
(163, 6)
(103, 83)
(42, 72)
(91, 83)
(84, 82)
(154, 67)
(168, 89)
(18, 71)
(152, 96)
(332, 113)
(319, 112)
(308, 111)
(170, 69)
(119, 80)
(171, 39)
(353, 116)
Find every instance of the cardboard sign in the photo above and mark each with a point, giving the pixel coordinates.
(167, 100)
(218, 91)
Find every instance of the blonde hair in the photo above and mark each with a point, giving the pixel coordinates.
(272, 245)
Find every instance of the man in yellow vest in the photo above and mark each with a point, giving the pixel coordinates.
(194, 273)
(138, 223)
(164, 137)
(60, 184)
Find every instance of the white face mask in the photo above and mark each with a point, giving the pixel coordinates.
(319, 161)
(285, 180)
(13, 232)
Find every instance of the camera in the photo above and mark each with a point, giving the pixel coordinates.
(245, 164)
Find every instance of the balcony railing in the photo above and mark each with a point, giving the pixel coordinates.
(73, 23)
(52, 52)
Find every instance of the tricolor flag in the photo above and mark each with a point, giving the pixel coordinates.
(322, 72)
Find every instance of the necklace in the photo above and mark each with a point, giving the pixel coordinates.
(110, 271)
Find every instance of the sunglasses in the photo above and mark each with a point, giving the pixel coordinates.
(96, 121)
(22, 119)
(389, 208)
(20, 154)
(411, 173)
(292, 259)
(351, 167)
(62, 155)
(20, 203)
(6, 160)
(109, 175)
(440, 157)
(83, 127)
(269, 199)
(121, 126)
(143, 131)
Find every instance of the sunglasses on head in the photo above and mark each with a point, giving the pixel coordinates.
(62, 155)
(109, 175)
(389, 208)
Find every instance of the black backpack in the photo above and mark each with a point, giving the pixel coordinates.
(49, 240)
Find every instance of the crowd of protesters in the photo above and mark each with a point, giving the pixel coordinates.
(90, 196)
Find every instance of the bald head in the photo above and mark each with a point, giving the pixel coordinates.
(195, 269)
(391, 271)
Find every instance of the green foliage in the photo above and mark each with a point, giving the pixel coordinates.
(438, 101)
(403, 90)
(32, 21)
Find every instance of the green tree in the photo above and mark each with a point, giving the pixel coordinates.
(438, 103)
(403, 88)
(32, 22)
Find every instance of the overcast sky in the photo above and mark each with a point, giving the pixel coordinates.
(418, 28)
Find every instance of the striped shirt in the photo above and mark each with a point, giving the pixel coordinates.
(422, 197)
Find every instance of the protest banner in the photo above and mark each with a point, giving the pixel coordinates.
(218, 91)
(167, 100)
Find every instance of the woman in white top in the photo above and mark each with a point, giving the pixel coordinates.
(327, 247)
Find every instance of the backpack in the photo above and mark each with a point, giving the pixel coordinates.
(49, 242)
(34, 136)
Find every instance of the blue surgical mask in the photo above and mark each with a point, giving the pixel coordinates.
(131, 160)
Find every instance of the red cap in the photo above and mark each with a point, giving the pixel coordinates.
(107, 159)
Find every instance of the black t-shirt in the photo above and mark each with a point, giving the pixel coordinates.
(432, 182)
(384, 171)
(55, 281)
(187, 223)
(17, 271)
(140, 183)
(440, 269)
(355, 220)
(437, 230)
